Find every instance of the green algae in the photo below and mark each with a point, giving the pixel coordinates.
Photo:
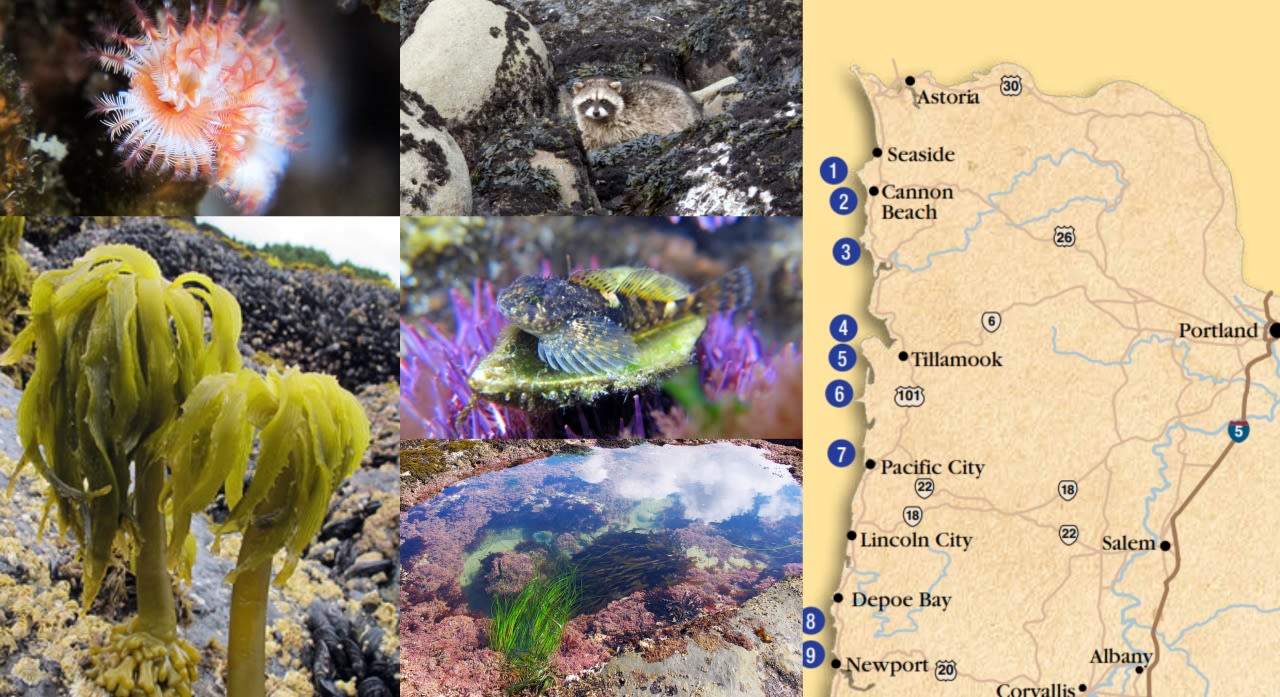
(425, 461)
(617, 564)
(528, 628)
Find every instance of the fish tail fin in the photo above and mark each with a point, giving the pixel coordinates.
(730, 292)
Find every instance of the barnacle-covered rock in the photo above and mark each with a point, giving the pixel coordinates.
(514, 374)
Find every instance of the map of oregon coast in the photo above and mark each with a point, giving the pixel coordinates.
(1071, 481)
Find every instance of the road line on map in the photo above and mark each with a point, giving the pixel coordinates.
(1173, 519)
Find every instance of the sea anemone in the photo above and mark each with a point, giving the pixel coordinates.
(208, 99)
(732, 368)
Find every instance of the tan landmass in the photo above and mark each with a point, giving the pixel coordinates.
(1096, 386)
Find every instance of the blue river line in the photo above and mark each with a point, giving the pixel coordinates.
(884, 619)
(1109, 205)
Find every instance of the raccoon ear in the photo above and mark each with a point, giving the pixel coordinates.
(615, 85)
(577, 86)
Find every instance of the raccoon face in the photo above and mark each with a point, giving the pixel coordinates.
(597, 101)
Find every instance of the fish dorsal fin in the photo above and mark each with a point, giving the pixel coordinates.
(635, 282)
(588, 346)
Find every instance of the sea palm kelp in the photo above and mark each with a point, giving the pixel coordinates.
(137, 392)
(528, 627)
(312, 435)
(15, 278)
(118, 348)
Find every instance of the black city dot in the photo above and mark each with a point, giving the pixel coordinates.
(835, 663)
(1165, 546)
(838, 597)
(874, 190)
(902, 355)
(1083, 687)
(851, 534)
(876, 152)
(910, 81)
(1275, 330)
(1138, 670)
(871, 464)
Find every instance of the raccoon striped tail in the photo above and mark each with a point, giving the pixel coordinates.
(730, 292)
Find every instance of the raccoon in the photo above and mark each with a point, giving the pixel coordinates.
(612, 111)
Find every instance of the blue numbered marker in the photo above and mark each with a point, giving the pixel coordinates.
(839, 393)
(814, 620)
(847, 252)
(844, 201)
(842, 357)
(834, 170)
(1238, 430)
(841, 453)
(844, 327)
(813, 653)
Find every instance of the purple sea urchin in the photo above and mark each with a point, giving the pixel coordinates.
(435, 399)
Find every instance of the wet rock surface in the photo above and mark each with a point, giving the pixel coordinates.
(750, 652)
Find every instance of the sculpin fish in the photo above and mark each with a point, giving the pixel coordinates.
(589, 323)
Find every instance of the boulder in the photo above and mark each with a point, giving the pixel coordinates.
(479, 65)
(434, 177)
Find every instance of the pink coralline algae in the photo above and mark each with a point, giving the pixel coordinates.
(578, 652)
(623, 619)
(447, 656)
